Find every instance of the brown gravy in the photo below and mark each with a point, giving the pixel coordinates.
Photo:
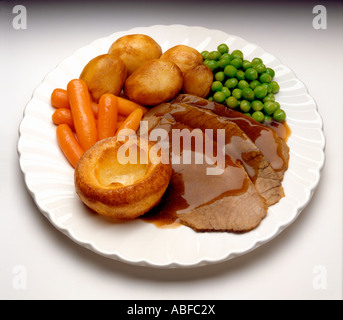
(191, 187)
(281, 128)
(262, 135)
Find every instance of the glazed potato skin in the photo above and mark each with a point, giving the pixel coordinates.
(184, 56)
(104, 74)
(198, 81)
(154, 82)
(135, 49)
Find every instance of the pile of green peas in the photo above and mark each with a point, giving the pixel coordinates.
(246, 86)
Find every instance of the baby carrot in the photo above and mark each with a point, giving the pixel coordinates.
(107, 116)
(68, 144)
(132, 121)
(59, 99)
(95, 108)
(83, 116)
(126, 107)
(119, 123)
(120, 118)
(63, 115)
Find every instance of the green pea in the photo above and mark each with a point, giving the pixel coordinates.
(271, 72)
(275, 86)
(260, 68)
(212, 64)
(277, 105)
(279, 115)
(247, 114)
(231, 83)
(231, 102)
(265, 77)
(248, 93)
(260, 92)
(258, 116)
(205, 54)
(230, 71)
(226, 91)
(210, 98)
(269, 97)
(257, 105)
(243, 84)
(267, 118)
(223, 62)
(226, 56)
(214, 55)
(267, 86)
(269, 107)
(256, 61)
(219, 97)
(254, 84)
(206, 61)
(237, 54)
(251, 74)
(216, 86)
(237, 93)
(240, 75)
(223, 48)
(236, 62)
(219, 76)
(246, 64)
(245, 106)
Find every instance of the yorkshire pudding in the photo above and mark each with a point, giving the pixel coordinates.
(122, 178)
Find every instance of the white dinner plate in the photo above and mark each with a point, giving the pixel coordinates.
(49, 177)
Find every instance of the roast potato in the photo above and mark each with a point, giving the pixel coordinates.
(198, 81)
(156, 81)
(104, 74)
(184, 56)
(135, 49)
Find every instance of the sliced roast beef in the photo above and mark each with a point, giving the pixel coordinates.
(223, 202)
(238, 213)
(265, 138)
(238, 145)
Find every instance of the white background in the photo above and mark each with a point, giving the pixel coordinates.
(56, 268)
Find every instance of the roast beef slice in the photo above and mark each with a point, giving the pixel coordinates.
(238, 144)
